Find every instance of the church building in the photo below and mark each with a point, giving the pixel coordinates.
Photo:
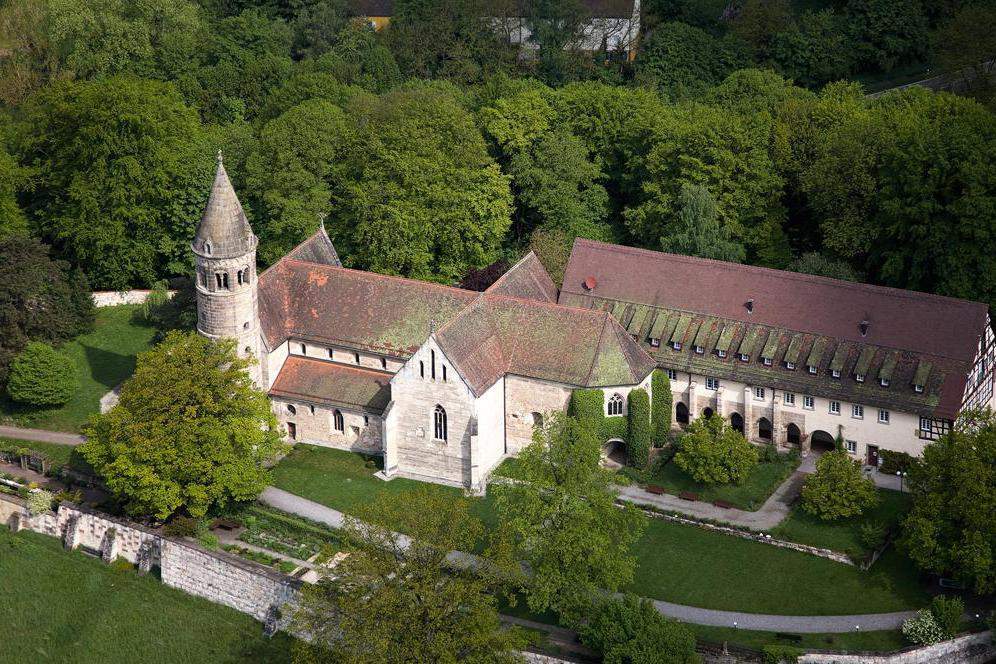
(445, 383)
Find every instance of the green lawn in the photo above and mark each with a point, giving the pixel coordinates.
(763, 480)
(845, 535)
(67, 607)
(58, 454)
(682, 564)
(882, 641)
(103, 358)
(690, 565)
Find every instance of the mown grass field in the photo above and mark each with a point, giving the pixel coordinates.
(103, 358)
(750, 495)
(63, 606)
(677, 563)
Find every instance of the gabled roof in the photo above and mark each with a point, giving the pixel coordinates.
(331, 383)
(224, 231)
(528, 280)
(498, 335)
(362, 310)
(794, 317)
(316, 249)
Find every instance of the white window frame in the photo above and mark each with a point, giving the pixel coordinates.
(712, 383)
(744, 357)
(859, 377)
(790, 366)
(676, 345)
(834, 407)
(699, 350)
(918, 389)
(884, 382)
(672, 374)
(759, 394)
(926, 420)
(720, 353)
(655, 342)
(766, 361)
(808, 402)
(883, 416)
(835, 373)
(851, 446)
(789, 398)
(857, 411)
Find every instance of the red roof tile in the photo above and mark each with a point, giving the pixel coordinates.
(336, 384)
(528, 280)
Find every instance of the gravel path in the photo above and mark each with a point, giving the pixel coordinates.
(42, 436)
(308, 509)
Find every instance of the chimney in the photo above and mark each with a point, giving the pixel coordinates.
(863, 327)
(589, 283)
(749, 306)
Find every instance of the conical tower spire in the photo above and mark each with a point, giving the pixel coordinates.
(224, 231)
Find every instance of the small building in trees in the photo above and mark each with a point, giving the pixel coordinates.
(444, 382)
(792, 358)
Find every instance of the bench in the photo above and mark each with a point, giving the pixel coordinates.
(656, 490)
(688, 495)
(722, 504)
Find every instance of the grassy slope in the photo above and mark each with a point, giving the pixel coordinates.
(677, 563)
(65, 607)
(764, 479)
(58, 454)
(103, 358)
(800, 526)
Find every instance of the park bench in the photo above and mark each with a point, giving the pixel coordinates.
(656, 490)
(688, 495)
(722, 504)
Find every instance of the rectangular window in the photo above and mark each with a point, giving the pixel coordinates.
(304, 349)
(444, 373)
(808, 402)
(721, 353)
(811, 369)
(859, 377)
(712, 383)
(857, 411)
(789, 399)
(851, 445)
(835, 373)
(655, 343)
(672, 374)
(699, 350)
(883, 416)
(744, 357)
(676, 345)
(759, 393)
(918, 389)
(924, 424)
(835, 408)
(356, 358)
(331, 354)
(790, 365)
(766, 361)
(884, 382)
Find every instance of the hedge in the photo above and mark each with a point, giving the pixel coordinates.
(639, 430)
(660, 407)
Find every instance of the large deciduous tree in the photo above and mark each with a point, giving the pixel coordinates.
(682, 60)
(41, 376)
(121, 173)
(713, 452)
(951, 529)
(190, 433)
(631, 630)
(838, 489)
(562, 520)
(697, 231)
(396, 598)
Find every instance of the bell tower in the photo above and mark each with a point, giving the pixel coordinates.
(225, 258)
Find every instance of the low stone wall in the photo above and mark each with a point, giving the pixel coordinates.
(114, 298)
(970, 649)
(829, 554)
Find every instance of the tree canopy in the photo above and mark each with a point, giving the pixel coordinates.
(838, 489)
(713, 452)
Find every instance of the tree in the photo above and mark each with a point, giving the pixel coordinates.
(965, 48)
(41, 376)
(948, 612)
(661, 406)
(813, 262)
(428, 209)
(814, 50)
(12, 177)
(121, 173)
(697, 230)
(40, 299)
(587, 551)
(951, 528)
(682, 60)
(759, 21)
(396, 600)
(190, 434)
(630, 630)
(360, 58)
(638, 432)
(713, 452)
(556, 29)
(838, 489)
(886, 33)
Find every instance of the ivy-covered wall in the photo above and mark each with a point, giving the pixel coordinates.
(639, 431)
(661, 406)
(589, 406)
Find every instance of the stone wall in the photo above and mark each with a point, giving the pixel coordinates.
(114, 298)
(970, 649)
(524, 399)
(363, 431)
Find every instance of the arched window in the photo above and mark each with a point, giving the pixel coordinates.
(239, 277)
(383, 363)
(616, 404)
(291, 409)
(439, 423)
(764, 429)
(421, 368)
(681, 412)
(356, 357)
(204, 279)
(537, 419)
(245, 274)
(432, 368)
(444, 372)
(338, 422)
(248, 350)
(207, 248)
(217, 278)
(737, 422)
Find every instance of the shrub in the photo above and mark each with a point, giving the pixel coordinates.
(873, 534)
(777, 654)
(41, 376)
(838, 490)
(75, 497)
(948, 613)
(182, 526)
(660, 406)
(769, 453)
(208, 540)
(121, 565)
(893, 462)
(631, 631)
(922, 629)
(639, 433)
(713, 452)
(39, 501)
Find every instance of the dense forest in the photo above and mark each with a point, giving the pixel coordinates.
(741, 131)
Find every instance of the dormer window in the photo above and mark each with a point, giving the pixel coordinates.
(676, 345)
(811, 369)
(790, 366)
(655, 343)
(835, 373)
(721, 353)
(859, 377)
(918, 389)
(884, 382)
(766, 361)
(744, 357)
(699, 350)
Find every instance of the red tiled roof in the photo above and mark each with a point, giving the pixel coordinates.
(363, 310)
(499, 335)
(316, 249)
(337, 384)
(528, 280)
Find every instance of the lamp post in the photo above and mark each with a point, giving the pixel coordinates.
(901, 475)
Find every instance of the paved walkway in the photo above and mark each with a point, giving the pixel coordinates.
(770, 514)
(308, 509)
(41, 435)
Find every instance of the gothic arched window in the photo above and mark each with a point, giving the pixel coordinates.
(439, 423)
(291, 409)
(338, 422)
(616, 404)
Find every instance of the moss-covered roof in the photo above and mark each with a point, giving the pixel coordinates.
(795, 345)
(864, 360)
(321, 381)
(817, 352)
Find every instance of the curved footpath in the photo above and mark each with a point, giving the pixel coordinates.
(42, 436)
(288, 502)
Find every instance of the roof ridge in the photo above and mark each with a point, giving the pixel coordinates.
(508, 271)
(378, 275)
(903, 293)
(598, 347)
(340, 365)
